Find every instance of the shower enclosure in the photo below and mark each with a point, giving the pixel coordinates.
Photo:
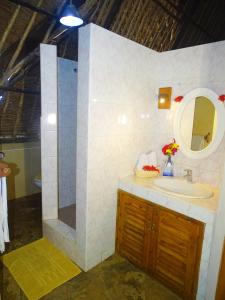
(67, 91)
(61, 212)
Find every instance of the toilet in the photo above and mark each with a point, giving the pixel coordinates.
(37, 181)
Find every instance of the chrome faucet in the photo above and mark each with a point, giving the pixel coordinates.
(188, 175)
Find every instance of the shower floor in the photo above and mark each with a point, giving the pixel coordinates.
(67, 215)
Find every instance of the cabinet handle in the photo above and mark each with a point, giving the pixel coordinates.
(153, 227)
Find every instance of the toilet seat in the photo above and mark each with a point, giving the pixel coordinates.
(37, 182)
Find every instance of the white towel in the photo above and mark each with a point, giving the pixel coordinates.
(152, 159)
(142, 161)
(4, 230)
(146, 159)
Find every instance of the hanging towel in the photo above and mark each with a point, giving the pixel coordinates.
(4, 230)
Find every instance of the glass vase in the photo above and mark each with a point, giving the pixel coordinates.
(168, 167)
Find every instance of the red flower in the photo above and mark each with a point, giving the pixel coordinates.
(178, 99)
(174, 150)
(222, 98)
(166, 147)
(170, 149)
(150, 168)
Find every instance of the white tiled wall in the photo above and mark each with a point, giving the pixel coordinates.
(67, 104)
(184, 70)
(64, 237)
(118, 119)
(82, 138)
(49, 131)
(114, 97)
(217, 246)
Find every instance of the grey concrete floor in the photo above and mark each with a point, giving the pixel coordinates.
(114, 279)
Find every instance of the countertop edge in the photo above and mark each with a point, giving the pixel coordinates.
(136, 186)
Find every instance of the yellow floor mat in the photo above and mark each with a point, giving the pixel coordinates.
(39, 267)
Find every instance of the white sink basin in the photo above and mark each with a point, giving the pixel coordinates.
(181, 187)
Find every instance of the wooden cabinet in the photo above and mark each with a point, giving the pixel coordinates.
(160, 241)
(177, 251)
(220, 292)
(134, 224)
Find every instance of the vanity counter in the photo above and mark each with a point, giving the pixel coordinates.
(203, 210)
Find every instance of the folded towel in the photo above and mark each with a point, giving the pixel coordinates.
(142, 161)
(146, 159)
(152, 160)
(4, 230)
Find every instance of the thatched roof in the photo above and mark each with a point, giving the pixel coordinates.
(157, 24)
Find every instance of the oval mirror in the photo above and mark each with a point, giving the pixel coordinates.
(199, 123)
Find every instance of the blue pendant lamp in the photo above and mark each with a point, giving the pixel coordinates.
(70, 16)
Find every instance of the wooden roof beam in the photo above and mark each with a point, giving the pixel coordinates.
(11, 74)
(184, 16)
(142, 20)
(15, 90)
(59, 11)
(112, 13)
(191, 20)
(22, 40)
(18, 115)
(33, 8)
(3, 114)
(9, 27)
(134, 11)
(51, 38)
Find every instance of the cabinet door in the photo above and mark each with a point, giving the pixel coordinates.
(177, 251)
(134, 221)
(220, 293)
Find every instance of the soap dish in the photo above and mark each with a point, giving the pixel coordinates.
(145, 174)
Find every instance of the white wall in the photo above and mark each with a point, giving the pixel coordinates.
(118, 118)
(63, 236)
(49, 154)
(25, 161)
(115, 89)
(217, 245)
(184, 70)
(67, 105)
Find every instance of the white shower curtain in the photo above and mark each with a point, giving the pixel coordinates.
(4, 230)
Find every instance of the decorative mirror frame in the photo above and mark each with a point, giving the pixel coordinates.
(219, 108)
